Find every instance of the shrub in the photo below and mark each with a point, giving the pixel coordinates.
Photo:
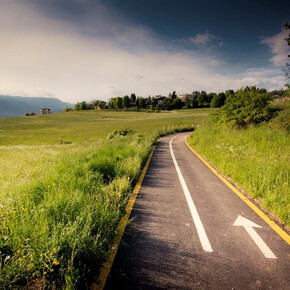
(121, 132)
(246, 106)
(282, 121)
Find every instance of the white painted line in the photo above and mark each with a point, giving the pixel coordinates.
(249, 227)
(196, 219)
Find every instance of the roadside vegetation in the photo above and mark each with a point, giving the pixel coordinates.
(64, 186)
(248, 140)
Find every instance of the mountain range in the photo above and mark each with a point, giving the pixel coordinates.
(12, 106)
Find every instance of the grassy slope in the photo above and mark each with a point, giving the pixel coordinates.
(60, 204)
(256, 158)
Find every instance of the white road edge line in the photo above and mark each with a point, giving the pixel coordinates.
(196, 219)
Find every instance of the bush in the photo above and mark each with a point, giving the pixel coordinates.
(282, 121)
(121, 133)
(246, 106)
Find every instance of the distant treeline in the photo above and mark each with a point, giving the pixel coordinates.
(197, 99)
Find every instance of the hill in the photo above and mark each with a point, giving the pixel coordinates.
(12, 106)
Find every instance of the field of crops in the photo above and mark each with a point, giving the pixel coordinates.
(64, 185)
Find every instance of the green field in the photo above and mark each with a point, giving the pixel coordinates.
(64, 186)
(89, 126)
(256, 158)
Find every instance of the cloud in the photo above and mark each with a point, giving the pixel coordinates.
(264, 78)
(278, 46)
(94, 52)
(203, 39)
(200, 39)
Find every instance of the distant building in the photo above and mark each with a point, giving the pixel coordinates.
(44, 111)
(102, 104)
(159, 99)
(188, 96)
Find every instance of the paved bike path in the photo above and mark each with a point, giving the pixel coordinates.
(164, 249)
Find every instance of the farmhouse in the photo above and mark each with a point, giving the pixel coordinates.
(45, 110)
(188, 96)
(159, 99)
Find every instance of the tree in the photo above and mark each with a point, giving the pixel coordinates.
(141, 103)
(149, 102)
(218, 100)
(177, 103)
(154, 103)
(167, 103)
(202, 98)
(111, 103)
(118, 103)
(287, 69)
(194, 103)
(210, 96)
(96, 104)
(90, 107)
(195, 94)
(229, 92)
(173, 95)
(133, 99)
(81, 106)
(126, 102)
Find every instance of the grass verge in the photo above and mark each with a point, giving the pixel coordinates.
(255, 158)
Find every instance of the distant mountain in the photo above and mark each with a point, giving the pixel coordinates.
(11, 106)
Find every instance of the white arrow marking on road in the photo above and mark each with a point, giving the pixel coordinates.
(249, 227)
(196, 219)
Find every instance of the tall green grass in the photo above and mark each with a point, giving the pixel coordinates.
(64, 186)
(59, 226)
(256, 158)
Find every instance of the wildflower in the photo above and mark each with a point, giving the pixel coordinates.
(44, 273)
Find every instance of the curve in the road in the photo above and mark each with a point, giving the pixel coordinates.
(163, 249)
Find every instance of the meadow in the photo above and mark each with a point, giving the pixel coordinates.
(64, 186)
(257, 158)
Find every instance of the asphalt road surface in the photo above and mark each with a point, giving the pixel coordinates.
(191, 231)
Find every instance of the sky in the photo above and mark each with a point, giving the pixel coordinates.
(79, 50)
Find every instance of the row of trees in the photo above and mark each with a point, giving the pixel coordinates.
(198, 99)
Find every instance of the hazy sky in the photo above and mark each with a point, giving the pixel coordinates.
(86, 49)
